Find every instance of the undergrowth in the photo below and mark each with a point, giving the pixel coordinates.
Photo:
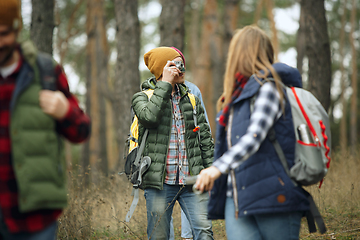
(98, 211)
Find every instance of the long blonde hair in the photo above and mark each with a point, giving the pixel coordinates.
(250, 52)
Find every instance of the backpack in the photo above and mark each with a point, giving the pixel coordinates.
(313, 137)
(47, 71)
(136, 164)
(312, 147)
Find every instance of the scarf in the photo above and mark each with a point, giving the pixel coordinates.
(239, 85)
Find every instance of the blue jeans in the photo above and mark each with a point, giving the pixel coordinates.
(159, 206)
(261, 226)
(186, 231)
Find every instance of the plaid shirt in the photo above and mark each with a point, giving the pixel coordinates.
(75, 127)
(266, 111)
(177, 166)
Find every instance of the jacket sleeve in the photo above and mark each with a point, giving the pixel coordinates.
(206, 140)
(149, 111)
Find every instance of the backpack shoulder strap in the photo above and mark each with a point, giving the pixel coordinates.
(134, 134)
(193, 104)
(47, 71)
(149, 92)
(192, 100)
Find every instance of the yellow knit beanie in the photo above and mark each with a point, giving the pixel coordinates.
(157, 58)
(10, 13)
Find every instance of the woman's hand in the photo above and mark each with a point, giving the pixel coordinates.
(206, 178)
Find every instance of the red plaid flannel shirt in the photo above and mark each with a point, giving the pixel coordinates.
(75, 127)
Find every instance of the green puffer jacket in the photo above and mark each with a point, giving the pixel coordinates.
(156, 115)
(37, 149)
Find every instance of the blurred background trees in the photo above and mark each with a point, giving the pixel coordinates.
(101, 45)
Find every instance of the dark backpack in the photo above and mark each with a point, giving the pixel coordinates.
(47, 71)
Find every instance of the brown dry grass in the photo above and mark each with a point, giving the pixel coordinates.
(99, 212)
(338, 199)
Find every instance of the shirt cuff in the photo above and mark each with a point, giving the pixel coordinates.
(70, 114)
(222, 166)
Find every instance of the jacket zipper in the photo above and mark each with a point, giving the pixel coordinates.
(232, 172)
(235, 193)
(164, 175)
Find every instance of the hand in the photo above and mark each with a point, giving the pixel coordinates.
(170, 73)
(206, 178)
(54, 103)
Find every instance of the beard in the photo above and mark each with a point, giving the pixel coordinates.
(6, 53)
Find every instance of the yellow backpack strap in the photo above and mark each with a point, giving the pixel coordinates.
(192, 100)
(134, 128)
(193, 103)
(149, 92)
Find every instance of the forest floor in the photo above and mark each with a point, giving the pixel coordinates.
(98, 212)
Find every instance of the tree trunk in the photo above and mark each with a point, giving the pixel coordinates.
(127, 76)
(203, 76)
(258, 11)
(231, 16)
(219, 45)
(194, 44)
(300, 42)
(343, 121)
(97, 51)
(42, 24)
(317, 50)
(354, 84)
(274, 38)
(171, 24)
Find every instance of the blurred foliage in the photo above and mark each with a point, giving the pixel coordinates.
(75, 46)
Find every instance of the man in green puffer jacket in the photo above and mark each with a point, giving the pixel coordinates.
(177, 148)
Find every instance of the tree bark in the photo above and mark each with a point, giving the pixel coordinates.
(354, 84)
(127, 75)
(274, 38)
(224, 30)
(343, 121)
(258, 11)
(194, 44)
(63, 50)
(317, 50)
(208, 56)
(300, 42)
(203, 75)
(231, 16)
(171, 24)
(42, 24)
(97, 51)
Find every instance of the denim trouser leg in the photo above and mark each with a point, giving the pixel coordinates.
(195, 209)
(160, 203)
(159, 206)
(261, 226)
(172, 234)
(186, 231)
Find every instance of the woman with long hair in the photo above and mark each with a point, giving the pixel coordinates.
(249, 185)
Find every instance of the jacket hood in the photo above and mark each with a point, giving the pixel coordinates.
(290, 76)
(148, 84)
